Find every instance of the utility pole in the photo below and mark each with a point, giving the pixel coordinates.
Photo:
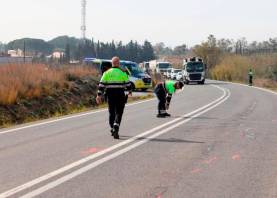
(83, 21)
(24, 51)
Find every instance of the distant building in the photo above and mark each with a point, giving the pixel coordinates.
(16, 53)
(58, 55)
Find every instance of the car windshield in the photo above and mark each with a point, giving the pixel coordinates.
(164, 65)
(133, 68)
(195, 67)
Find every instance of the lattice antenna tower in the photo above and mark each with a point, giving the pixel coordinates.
(83, 27)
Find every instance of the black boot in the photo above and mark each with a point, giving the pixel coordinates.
(115, 132)
(167, 114)
(161, 115)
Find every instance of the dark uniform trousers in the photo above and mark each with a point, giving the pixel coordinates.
(161, 95)
(116, 101)
(250, 79)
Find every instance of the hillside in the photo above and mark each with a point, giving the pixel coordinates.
(61, 41)
(32, 45)
(46, 47)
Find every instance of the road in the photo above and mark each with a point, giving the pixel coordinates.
(220, 142)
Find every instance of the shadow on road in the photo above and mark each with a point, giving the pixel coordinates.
(171, 140)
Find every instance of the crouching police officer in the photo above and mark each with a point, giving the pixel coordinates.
(114, 82)
(164, 92)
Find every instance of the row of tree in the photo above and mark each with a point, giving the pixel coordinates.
(131, 51)
(213, 48)
(161, 50)
(77, 49)
(240, 46)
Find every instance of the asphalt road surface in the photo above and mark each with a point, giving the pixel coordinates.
(221, 141)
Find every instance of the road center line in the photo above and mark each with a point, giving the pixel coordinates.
(96, 155)
(82, 170)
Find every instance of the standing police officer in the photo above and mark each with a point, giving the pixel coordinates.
(164, 92)
(250, 77)
(114, 82)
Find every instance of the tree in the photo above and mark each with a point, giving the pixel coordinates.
(211, 41)
(148, 51)
(225, 45)
(159, 48)
(67, 53)
(2, 47)
(180, 50)
(241, 46)
(273, 44)
(209, 51)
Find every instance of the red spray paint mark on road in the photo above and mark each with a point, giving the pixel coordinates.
(242, 135)
(159, 196)
(210, 160)
(236, 157)
(91, 151)
(196, 170)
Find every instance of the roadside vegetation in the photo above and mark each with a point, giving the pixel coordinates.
(33, 81)
(30, 92)
(236, 67)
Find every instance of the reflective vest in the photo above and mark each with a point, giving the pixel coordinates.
(114, 78)
(169, 86)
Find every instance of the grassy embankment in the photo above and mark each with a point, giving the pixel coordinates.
(235, 68)
(34, 91)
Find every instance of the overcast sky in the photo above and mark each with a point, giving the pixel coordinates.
(173, 22)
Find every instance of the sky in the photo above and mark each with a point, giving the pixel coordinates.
(173, 22)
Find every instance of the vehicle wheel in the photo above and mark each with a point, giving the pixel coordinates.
(186, 82)
(202, 82)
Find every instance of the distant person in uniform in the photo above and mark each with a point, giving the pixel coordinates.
(164, 92)
(250, 77)
(114, 82)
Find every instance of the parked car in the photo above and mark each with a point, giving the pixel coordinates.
(168, 73)
(180, 76)
(174, 73)
(139, 79)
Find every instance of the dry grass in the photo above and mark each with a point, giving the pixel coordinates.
(32, 80)
(235, 67)
(267, 83)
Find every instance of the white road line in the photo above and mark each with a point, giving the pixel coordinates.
(91, 157)
(65, 118)
(80, 171)
(253, 87)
